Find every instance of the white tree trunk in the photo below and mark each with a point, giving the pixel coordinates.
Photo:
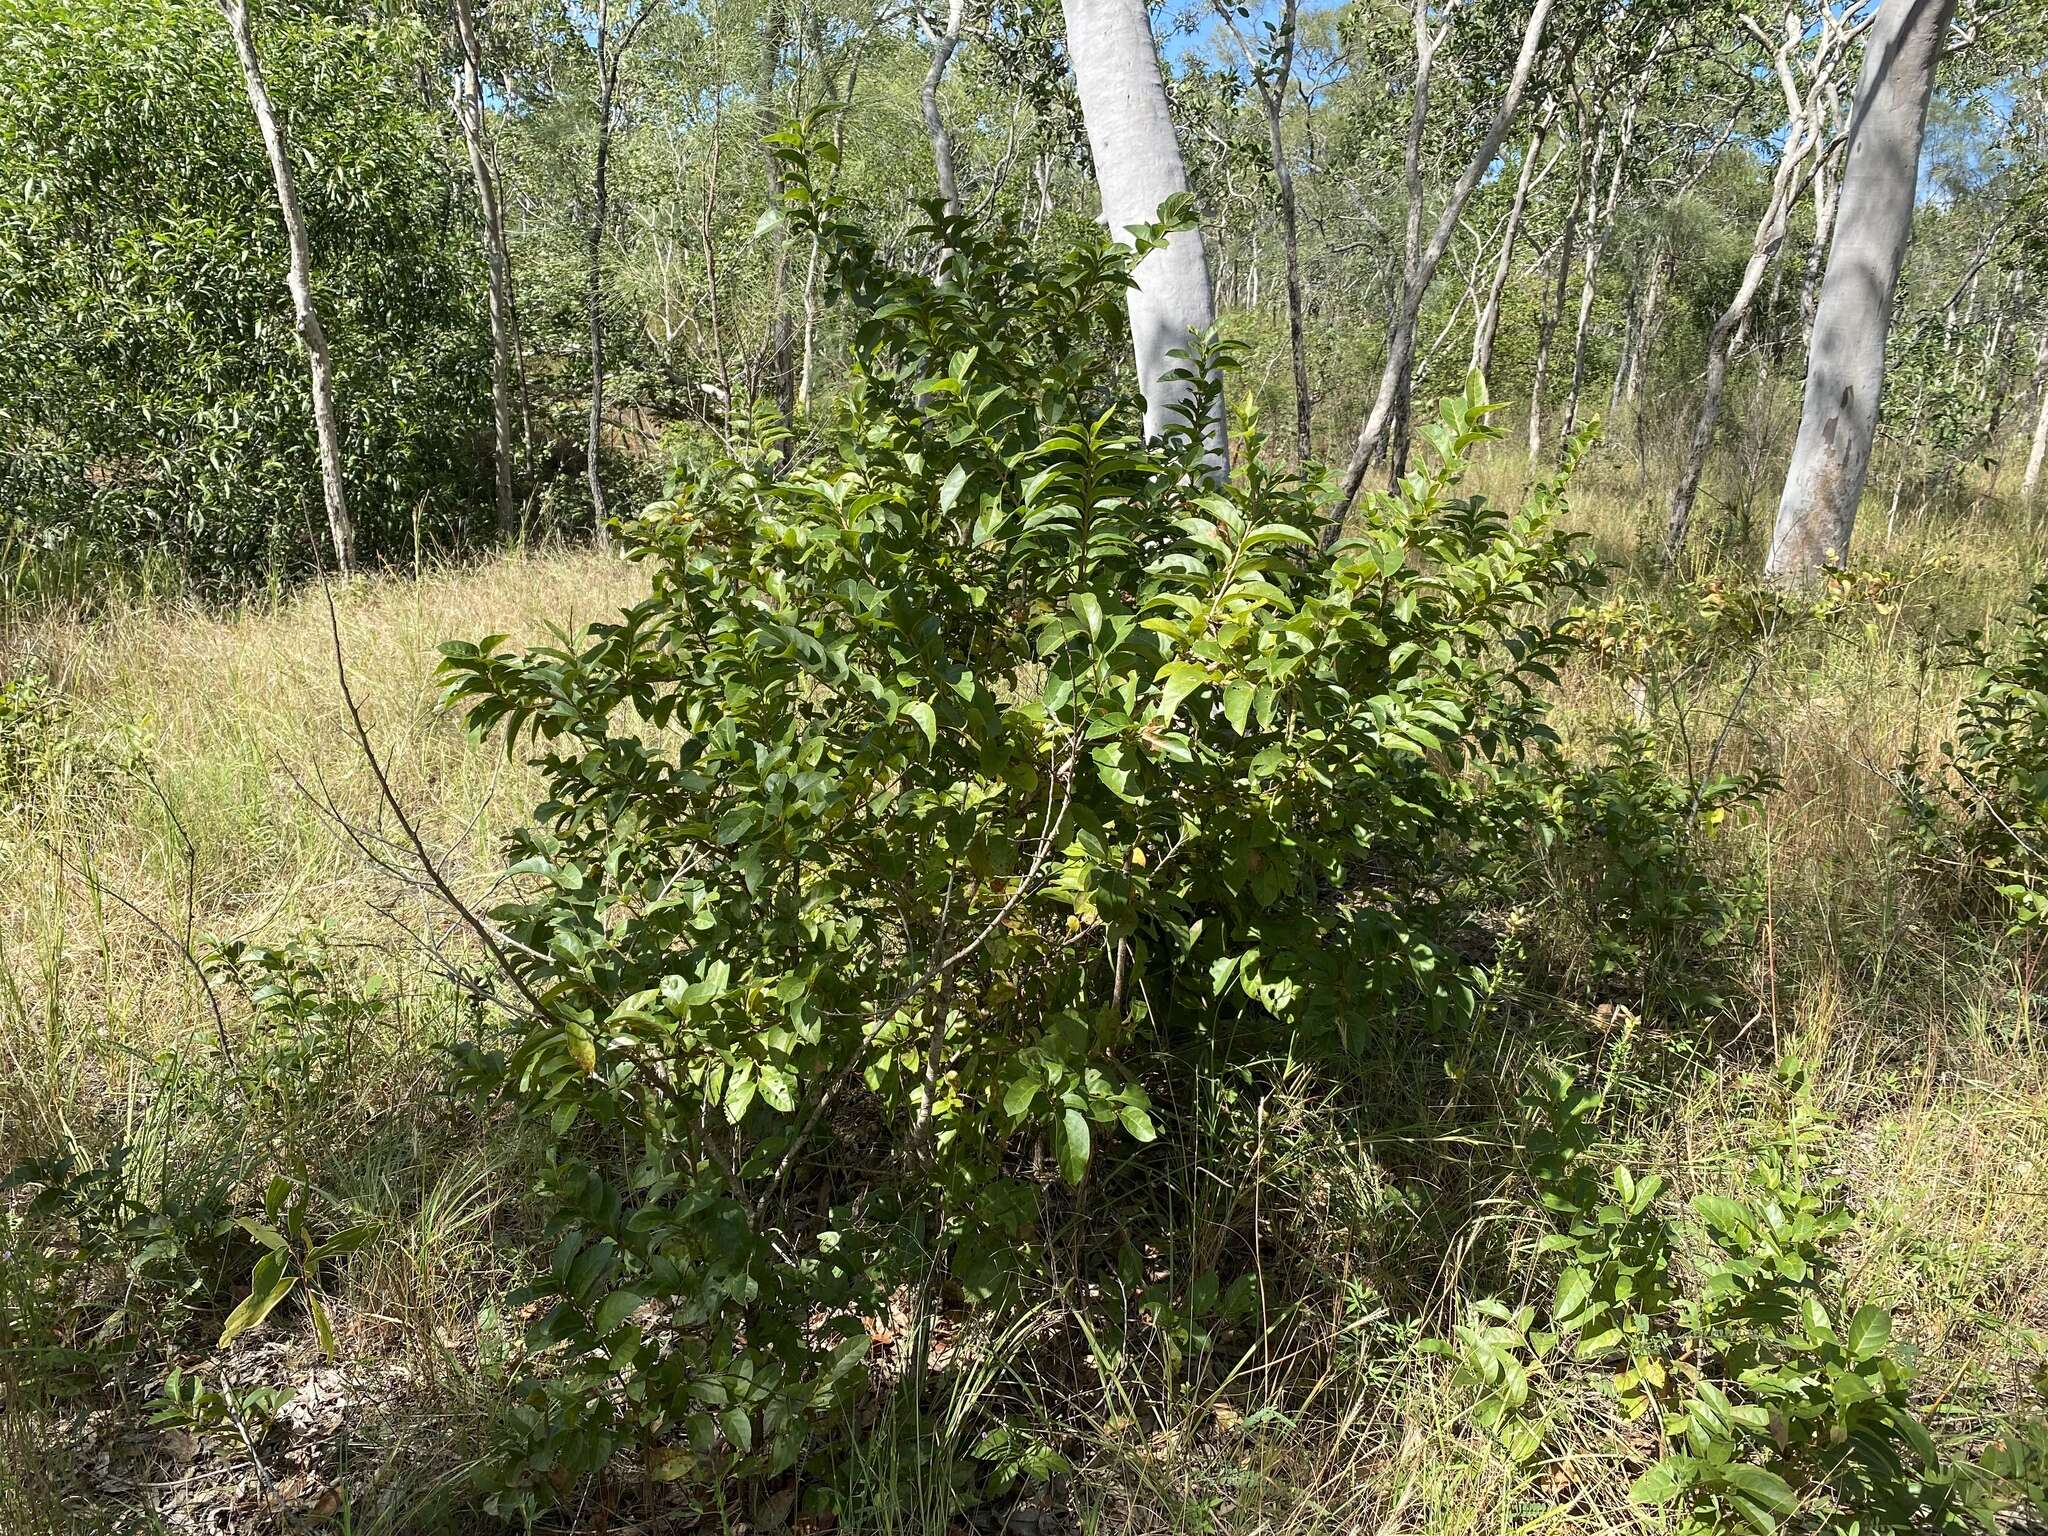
(1600, 230)
(1594, 248)
(1825, 197)
(2037, 453)
(1553, 306)
(325, 424)
(943, 46)
(1138, 167)
(1662, 260)
(1845, 370)
(1802, 140)
(469, 111)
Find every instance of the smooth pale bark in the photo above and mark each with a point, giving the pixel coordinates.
(943, 46)
(1801, 142)
(2037, 453)
(1826, 196)
(1488, 327)
(708, 244)
(300, 278)
(1663, 261)
(1597, 231)
(469, 112)
(1994, 364)
(1640, 297)
(1845, 370)
(1377, 433)
(1272, 81)
(1138, 167)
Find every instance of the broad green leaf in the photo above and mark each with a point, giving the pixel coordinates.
(1573, 1287)
(950, 488)
(268, 1286)
(1870, 1330)
(323, 1327)
(347, 1240)
(265, 1234)
(1762, 1485)
(1087, 608)
(615, 1309)
(1664, 1481)
(1178, 679)
(1071, 1136)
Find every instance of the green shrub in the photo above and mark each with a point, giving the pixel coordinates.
(1780, 1402)
(131, 1236)
(946, 776)
(110, 1254)
(1630, 910)
(1977, 816)
(31, 735)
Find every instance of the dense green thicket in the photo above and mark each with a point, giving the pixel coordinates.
(153, 395)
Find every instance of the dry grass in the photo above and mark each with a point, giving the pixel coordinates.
(201, 767)
(199, 781)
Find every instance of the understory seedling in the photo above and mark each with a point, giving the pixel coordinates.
(1780, 1402)
(292, 1257)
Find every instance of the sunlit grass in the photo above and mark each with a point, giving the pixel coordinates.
(200, 780)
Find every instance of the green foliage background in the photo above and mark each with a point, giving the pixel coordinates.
(153, 394)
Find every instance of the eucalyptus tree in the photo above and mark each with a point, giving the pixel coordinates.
(1846, 363)
(1486, 328)
(1138, 168)
(469, 112)
(611, 51)
(2037, 445)
(1804, 58)
(1384, 429)
(1827, 202)
(1638, 67)
(944, 40)
(1710, 95)
(1559, 272)
(1269, 61)
(341, 529)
